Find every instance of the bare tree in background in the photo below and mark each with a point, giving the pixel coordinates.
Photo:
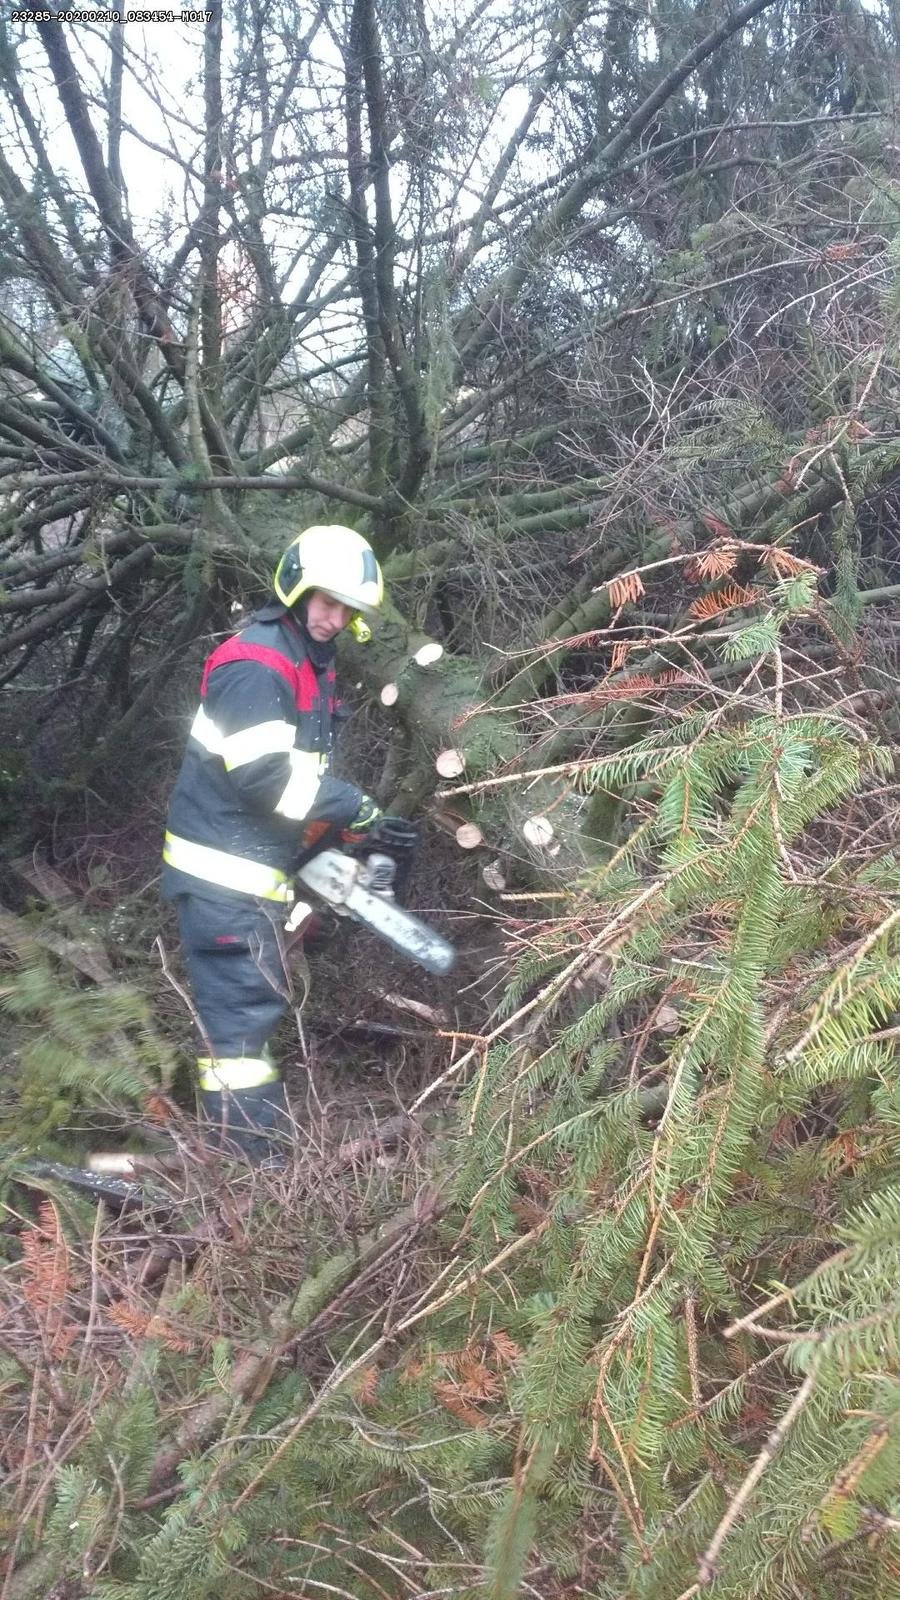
(531, 293)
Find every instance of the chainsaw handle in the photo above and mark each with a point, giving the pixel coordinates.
(392, 836)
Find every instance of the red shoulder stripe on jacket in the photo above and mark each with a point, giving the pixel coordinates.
(302, 678)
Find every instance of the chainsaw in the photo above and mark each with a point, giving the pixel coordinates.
(363, 880)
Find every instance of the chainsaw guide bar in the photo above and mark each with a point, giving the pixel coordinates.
(341, 882)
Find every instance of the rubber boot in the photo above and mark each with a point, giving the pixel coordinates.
(255, 1122)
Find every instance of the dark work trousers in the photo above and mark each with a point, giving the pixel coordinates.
(234, 951)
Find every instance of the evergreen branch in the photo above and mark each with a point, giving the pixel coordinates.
(557, 984)
(342, 1374)
(708, 1570)
(835, 995)
(256, 1367)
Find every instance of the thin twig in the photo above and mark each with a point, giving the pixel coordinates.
(707, 1565)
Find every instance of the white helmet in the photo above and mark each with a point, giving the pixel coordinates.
(338, 561)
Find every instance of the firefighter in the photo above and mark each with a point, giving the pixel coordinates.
(253, 789)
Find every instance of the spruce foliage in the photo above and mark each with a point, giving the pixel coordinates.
(74, 1047)
(655, 1349)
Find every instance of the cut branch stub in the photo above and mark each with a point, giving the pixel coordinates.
(428, 654)
(667, 1020)
(494, 876)
(469, 836)
(450, 763)
(538, 832)
(111, 1164)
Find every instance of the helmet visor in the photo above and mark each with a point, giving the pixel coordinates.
(353, 601)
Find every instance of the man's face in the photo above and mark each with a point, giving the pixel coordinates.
(325, 616)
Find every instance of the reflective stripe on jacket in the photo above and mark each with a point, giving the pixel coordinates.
(256, 765)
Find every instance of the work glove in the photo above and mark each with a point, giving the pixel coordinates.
(358, 830)
(321, 834)
(255, 1123)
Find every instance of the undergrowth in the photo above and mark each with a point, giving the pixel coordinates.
(632, 1330)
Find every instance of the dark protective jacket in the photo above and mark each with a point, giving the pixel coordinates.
(256, 768)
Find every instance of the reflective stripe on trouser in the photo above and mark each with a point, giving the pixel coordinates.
(235, 1072)
(227, 871)
(234, 952)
